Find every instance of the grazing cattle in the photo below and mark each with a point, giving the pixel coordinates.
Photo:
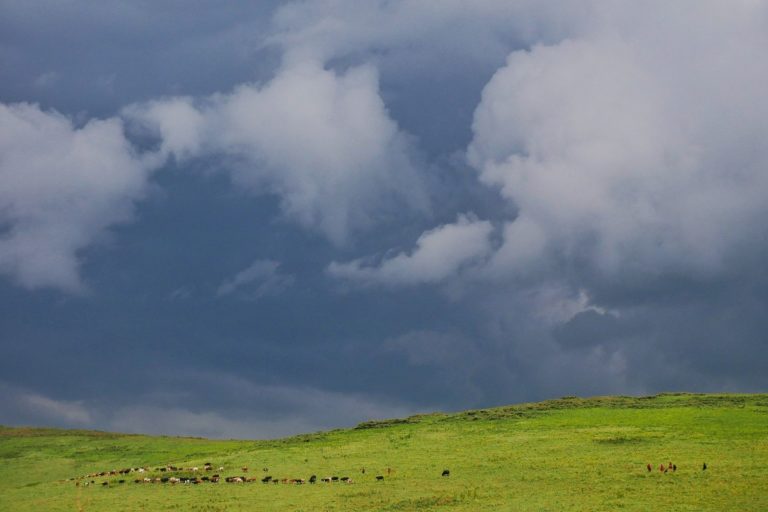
(704, 467)
(344, 478)
(446, 472)
(164, 479)
(205, 479)
(266, 479)
(362, 470)
(215, 479)
(350, 481)
(674, 467)
(244, 469)
(105, 484)
(661, 468)
(137, 481)
(649, 468)
(326, 480)
(174, 480)
(221, 468)
(313, 479)
(379, 478)
(335, 478)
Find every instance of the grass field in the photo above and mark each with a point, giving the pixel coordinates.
(567, 454)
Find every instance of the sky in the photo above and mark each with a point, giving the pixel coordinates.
(264, 218)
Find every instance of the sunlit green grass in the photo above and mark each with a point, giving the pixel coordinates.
(568, 454)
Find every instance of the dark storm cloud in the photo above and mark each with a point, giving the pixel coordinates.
(259, 220)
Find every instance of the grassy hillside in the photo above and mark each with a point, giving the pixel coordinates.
(567, 454)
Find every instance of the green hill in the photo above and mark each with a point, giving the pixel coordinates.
(566, 454)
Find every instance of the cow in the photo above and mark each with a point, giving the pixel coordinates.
(266, 479)
(674, 467)
(344, 478)
(704, 467)
(326, 480)
(661, 468)
(379, 478)
(446, 472)
(313, 479)
(649, 468)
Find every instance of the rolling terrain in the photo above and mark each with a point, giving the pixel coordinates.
(565, 454)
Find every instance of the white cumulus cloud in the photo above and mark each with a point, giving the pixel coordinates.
(439, 254)
(322, 141)
(61, 187)
(638, 146)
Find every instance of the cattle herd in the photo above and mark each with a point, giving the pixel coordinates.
(200, 475)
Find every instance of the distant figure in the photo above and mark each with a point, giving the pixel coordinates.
(379, 478)
(704, 467)
(649, 467)
(265, 469)
(446, 472)
(674, 467)
(661, 468)
(362, 470)
(389, 471)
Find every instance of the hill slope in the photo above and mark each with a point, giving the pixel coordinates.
(567, 454)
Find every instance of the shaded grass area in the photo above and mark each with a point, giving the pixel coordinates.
(566, 454)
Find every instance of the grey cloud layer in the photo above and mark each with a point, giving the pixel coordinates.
(622, 249)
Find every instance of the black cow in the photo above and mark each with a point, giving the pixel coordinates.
(446, 472)
(379, 477)
(313, 479)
